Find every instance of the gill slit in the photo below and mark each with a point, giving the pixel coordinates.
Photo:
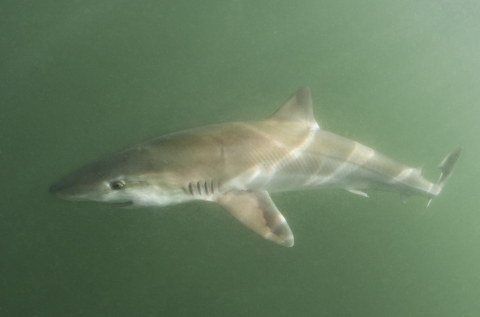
(202, 188)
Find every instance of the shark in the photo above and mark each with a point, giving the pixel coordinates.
(237, 165)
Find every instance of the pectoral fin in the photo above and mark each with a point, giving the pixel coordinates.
(256, 210)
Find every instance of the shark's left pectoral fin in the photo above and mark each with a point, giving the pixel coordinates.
(256, 210)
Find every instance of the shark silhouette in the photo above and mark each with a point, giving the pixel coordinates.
(237, 165)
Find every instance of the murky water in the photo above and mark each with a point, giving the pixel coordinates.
(82, 79)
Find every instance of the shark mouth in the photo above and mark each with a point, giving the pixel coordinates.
(124, 204)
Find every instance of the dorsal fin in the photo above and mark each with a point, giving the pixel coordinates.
(298, 107)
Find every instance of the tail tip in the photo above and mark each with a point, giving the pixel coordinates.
(446, 166)
(449, 161)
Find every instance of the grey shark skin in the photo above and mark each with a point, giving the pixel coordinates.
(237, 164)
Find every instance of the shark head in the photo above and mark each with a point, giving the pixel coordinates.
(125, 179)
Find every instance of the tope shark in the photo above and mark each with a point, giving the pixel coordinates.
(237, 165)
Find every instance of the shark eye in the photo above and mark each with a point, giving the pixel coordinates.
(116, 185)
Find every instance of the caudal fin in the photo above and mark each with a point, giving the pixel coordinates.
(447, 166)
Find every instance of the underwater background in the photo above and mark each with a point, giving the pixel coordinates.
(83, 79)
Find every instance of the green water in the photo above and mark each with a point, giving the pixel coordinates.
(81, 79)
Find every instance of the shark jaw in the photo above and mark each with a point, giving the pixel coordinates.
(237, 164)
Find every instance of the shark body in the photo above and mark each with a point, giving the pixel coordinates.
(237, 164)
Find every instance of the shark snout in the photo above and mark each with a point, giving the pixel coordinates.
(63, 191)
(68, 190)
(55, 189)
(60, 190)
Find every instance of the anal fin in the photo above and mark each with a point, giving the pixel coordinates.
(358, 192)
(256, 210)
